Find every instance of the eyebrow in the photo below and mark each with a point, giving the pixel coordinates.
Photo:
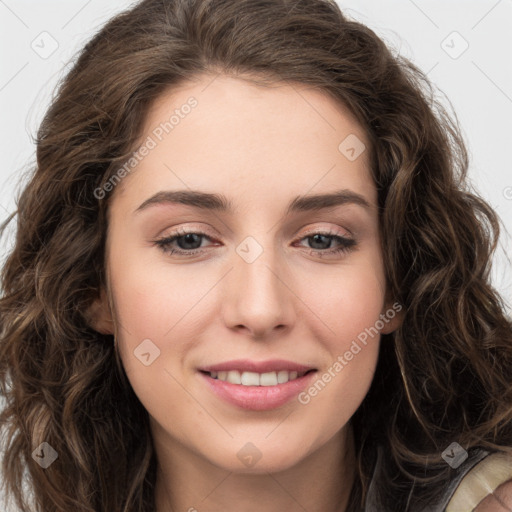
(219, 202)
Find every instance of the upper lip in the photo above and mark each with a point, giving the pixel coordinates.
(246, 365)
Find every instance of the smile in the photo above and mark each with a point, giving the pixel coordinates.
(249, 389)
(257, 379)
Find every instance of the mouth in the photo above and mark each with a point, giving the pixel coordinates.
(257, 391)
(247, 378)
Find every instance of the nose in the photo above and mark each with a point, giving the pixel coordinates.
(258, 296)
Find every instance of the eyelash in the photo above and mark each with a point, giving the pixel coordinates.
(346, 244)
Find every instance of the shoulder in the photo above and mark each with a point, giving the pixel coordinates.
(487, 487)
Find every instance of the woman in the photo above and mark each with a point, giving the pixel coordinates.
(329, 342)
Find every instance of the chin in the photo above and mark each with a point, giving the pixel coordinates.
(254, 458)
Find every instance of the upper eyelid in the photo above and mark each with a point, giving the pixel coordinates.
(325, 231)
(310, 232)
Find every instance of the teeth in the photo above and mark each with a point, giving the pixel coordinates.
(268, 379)
(250, 379)
(283, 376)
(255, 379)
(234, 377)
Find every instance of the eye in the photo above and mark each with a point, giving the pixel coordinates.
(320, 240)
(189, 243)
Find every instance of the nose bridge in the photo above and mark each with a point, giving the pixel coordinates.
(258, 295)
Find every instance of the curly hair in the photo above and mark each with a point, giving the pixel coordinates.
(447, 373)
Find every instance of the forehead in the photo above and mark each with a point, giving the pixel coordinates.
(219, 133)
(230, 101)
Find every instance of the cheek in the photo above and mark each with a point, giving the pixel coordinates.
(347, 301)
(164, 304)
(153, 297)
(349, 304)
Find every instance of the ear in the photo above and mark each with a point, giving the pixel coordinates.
(99, 315)
(392, 316)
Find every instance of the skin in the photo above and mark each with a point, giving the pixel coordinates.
(260, 147)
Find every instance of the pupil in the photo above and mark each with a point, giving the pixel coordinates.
(189, 238)
(316, 240)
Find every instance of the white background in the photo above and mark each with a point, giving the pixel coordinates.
(478, 82)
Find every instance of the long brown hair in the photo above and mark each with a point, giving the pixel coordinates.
(445, 375)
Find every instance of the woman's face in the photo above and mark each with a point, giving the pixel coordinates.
(260, 171)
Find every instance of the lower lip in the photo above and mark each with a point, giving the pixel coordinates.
(258, 398)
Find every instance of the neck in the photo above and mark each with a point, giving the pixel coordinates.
(319, 483)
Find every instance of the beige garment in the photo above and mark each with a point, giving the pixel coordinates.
(482, 480)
